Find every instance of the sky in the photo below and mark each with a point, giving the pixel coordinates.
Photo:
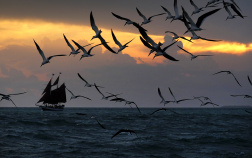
(132, 72)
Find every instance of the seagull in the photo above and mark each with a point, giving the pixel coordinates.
(94, 27)
(124, 130)
(121, 47)
(249, 81)
(87, 84)
(103, 96)
(192, 56)
(7, 97)
(195, 36)
(45, 60)
(177, 16)
(163, 100)
(245, 96)
(76, 96)
(128, 21)
(85, 53)
(146, 21)
(201, 19)
(229, 73)
(98, 34)
(131, 102)
(175, 100)
(158, 110)
(175, 36)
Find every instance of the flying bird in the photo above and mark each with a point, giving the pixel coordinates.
(192, 56)
(98, 122)
(177, 15)
(76, 96)
(121, 47)
(103, 96)
(205, 98)
(162, 98)
(169, 16)
(146, 21)
(86, 82)
(124, 131)
(175, 36)
(45, 60)
(7, 97)
(175, 100)
(98, 34)
(233, 7)
(229, 73)
(85, 53)
(196, 8)
(162, 109)
(117, 99)
(131, 102)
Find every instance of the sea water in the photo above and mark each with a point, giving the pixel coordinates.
(188, 133)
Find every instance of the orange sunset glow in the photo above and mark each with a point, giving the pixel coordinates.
(21, 32)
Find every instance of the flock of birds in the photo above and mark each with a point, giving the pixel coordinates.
(155, 47)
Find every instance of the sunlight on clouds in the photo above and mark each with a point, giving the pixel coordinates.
(22, 32)
(200, 46)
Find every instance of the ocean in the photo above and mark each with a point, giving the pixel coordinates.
(180, 133)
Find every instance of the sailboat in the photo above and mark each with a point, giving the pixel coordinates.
(53, 99)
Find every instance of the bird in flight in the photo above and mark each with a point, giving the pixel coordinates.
(128, 21)
(131, 102)
(121, 47)
(124, 131)
(192, 56)
(169, 16)
(76, 96)
(175, 100)
(175, 36)
(229, 73)
(161, 109)
(163, 100)
(87, 84)
(98, 34)
(45, 60)
(7, 97)
(146, 21)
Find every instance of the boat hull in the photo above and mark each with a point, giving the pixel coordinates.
(49, 108)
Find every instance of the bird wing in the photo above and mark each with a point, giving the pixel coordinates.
(175, 8)
(16, 93)
(202, 18)
(40, 51)
(168, 46)
(183, 100)
(237, 11)
(167, 11)
(129, 42)
(13, 102)
(72, 48)
(146, 37)
(185, 39)
(188, 17)
(94, 27)
(136, 107)
(89, 51)
(82, 78)
(220, 72)
(210, 39)
(249, 80)
(115, 39)
(84, 46)
(235, 4)
(158, 110)
(69, 91)
(169, 57)
(118, 132)
(80, 47)
(172, 94)
(236, 79)
(174, 34)
(104, 43)
(100, 124)
(83, 97)
(50, 57)
(185, 50)
(146, 43)
(141, 14)
(119, 17)
(155, 15)
(98, 90)
(193, 4)
(160, 94)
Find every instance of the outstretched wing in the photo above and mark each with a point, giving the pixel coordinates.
(155, 15)
(98, 90)
(236, 79)
(82, 78)
(141, 14)
(72, 48)
(119, 17)
(13, 102)
(83, 97)
(203, 17)
(69, 91)
(104, 43)
(17, 93)
(50, 57)
(249, 80)
(94, 27)
(115, 39)
(40, 51)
